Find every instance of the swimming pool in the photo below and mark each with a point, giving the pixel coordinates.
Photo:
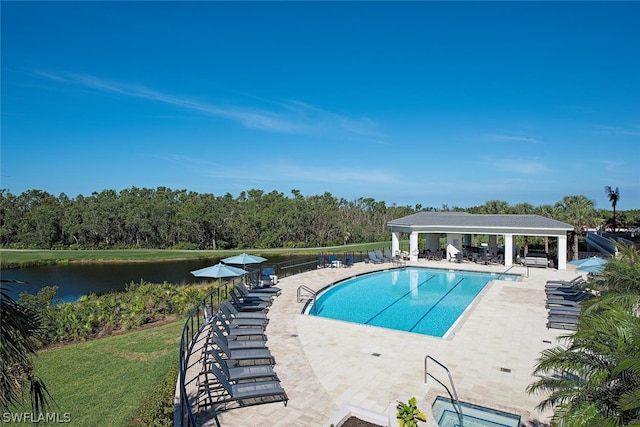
(445, 415)
(413, 299)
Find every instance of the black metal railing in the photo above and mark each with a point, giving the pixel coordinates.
(192, 326)
(195, 320)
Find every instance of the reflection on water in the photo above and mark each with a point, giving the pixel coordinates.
(75, 280)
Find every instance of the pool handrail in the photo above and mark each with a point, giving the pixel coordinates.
(507, 270)
(454, 396)
(311, 298)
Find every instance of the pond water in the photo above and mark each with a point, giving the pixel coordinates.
(75, 280)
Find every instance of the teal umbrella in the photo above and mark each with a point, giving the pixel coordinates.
(244, 259)
(219, 271)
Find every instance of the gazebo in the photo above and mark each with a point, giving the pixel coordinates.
(460, 226)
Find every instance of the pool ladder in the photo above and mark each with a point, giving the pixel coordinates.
(453, 396)
(306, 292)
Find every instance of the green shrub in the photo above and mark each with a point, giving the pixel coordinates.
(157, 409)
(99, 315)
(408, 413)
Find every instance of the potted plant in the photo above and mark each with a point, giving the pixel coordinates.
(408, 413)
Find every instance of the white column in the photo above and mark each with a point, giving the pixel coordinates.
(454, 240)
(432, 242)
(493, 244)
(562, 252)
(508, 250)
(395, 243)
(413, 246)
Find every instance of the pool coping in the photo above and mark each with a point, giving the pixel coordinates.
(455, 326)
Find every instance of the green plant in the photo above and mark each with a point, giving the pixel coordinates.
(157, 408)
(408, 413)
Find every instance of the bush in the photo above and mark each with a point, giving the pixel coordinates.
(99, 315)
(157, 409)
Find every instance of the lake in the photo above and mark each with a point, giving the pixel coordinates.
(77, 279)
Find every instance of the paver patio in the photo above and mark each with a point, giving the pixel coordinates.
(324, 364)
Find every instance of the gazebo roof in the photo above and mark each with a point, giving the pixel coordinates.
(462, 222)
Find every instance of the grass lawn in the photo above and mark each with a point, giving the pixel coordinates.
(103, 382)
(10, 258)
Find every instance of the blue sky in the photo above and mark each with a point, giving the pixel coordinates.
(427, 103)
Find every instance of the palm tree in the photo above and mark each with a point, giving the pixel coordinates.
(578, 211)
(595, 379)
(614, 196)
(19, 329)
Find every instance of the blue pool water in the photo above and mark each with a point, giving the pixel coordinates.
(472, 415)
(421, 300)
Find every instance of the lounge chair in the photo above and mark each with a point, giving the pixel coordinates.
(248, 304)
(243, 373)
(237, 321)
(574, 298)
(248, 393)
(564, 318)
(251, 356)
(564, 291)
(562, 303)
(561, 325)
(250, 295)
(379, 255)
(266, 290)
(244, 314)
(566, 310)
(387, 254)
(236, 344)
(348, 262)
(562, 287)
(374, 259)
(575, 281)
(243, 332)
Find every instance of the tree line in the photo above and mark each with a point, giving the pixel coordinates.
(163, 218)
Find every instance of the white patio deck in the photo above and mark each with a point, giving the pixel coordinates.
(324, 364)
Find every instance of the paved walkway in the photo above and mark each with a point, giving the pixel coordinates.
(325, 364)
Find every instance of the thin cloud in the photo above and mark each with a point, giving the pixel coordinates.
(617, 131)
(510, 138)
(283, 170)
(521, 166)
(298, 117)
(331, 174)
(612, 165)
